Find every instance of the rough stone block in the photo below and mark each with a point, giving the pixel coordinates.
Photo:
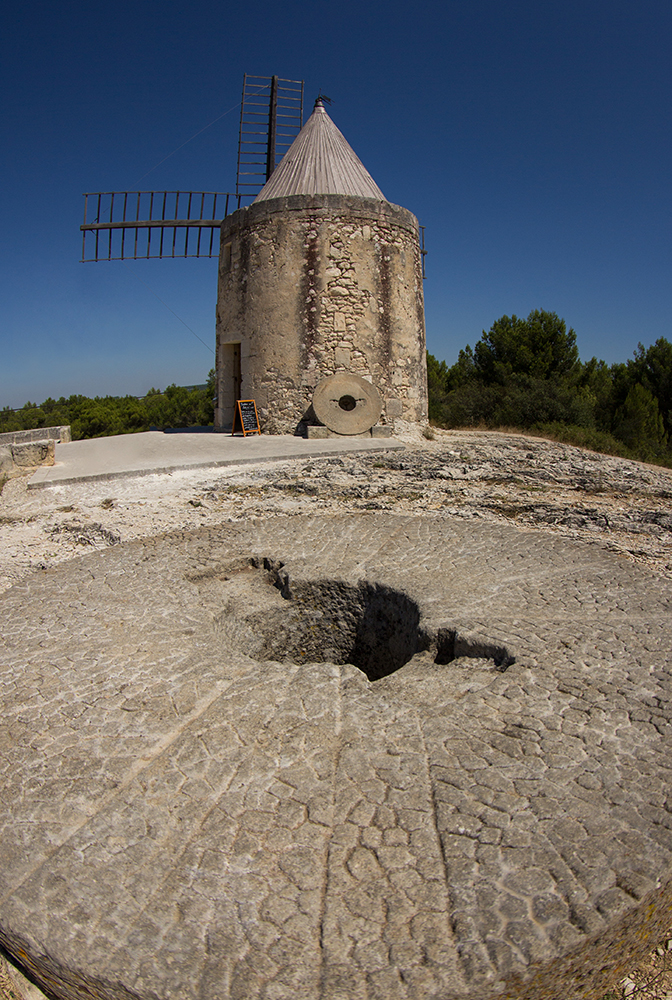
(381, 431)
(317, 432)
(6, 460)
(394, 407)
(342, 357)
(33, 453)
(61, 434)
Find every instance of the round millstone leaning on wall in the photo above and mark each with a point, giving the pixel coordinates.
(315, 285)
(347, 404)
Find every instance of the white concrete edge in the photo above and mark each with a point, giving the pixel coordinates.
(40, 481)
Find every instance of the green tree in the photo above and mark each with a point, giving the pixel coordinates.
(539, 347)
(437, 388)
(596, 385)
(521, 372)
(527, 373)
(652, 367)
(176, 407)
(9, 420)
(639, 424)
(463, 371)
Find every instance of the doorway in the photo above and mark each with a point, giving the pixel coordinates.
(230, 381)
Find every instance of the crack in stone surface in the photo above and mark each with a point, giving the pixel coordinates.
(446, 830)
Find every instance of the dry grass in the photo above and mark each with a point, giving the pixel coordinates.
(651, 981)
(8, 988)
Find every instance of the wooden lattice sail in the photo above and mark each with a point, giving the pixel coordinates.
(132, 225)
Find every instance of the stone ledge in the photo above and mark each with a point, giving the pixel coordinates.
(377, 431)
(325, 205)
(59, 434)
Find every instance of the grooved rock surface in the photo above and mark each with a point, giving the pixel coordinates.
(185, 813)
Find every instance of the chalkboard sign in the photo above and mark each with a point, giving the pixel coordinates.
(246, 418)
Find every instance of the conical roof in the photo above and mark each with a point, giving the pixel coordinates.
(320, 161)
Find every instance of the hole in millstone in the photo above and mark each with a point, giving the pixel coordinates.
(372, 626)
(347, 402)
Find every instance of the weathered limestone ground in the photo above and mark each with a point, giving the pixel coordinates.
(201, 798)
(533, 484)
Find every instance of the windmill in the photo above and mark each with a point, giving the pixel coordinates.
(320, 309)
(135, 225)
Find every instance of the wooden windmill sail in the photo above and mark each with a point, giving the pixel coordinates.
(133, 225)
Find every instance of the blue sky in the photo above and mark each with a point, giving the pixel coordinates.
(532, 140)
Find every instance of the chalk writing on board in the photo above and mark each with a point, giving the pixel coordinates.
(246, 418)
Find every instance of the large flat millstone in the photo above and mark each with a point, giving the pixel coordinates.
(338, 758)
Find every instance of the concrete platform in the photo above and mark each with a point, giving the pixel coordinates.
(157, 451)
(336, 758)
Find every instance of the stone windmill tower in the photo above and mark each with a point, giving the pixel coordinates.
(320, 314)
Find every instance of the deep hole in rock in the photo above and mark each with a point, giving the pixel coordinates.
(375, 627)
(347, 402)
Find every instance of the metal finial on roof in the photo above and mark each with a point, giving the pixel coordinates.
(320, 161)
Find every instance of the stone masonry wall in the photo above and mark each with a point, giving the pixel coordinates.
(312, 286)
(59, 434)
